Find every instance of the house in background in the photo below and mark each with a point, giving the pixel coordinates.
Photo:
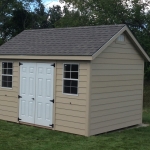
(83, 80)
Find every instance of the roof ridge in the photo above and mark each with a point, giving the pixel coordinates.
(81, 27)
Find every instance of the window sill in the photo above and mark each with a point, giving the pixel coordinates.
(7, 88)
(70, 94)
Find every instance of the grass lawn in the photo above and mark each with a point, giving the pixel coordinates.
(20, 137)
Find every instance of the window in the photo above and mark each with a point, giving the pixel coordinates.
(7, 71)
(70, 78)
(121, 38)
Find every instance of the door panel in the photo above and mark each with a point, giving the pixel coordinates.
(44, 93)
(27, 92)
(36, 90)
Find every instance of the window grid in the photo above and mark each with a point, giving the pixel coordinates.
(68, 87)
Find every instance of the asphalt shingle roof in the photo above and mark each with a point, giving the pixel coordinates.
(75, 41)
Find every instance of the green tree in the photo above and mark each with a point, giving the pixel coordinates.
(18, 15)
(54, 15)
(40, 16)
(6, 8)
(71, 19)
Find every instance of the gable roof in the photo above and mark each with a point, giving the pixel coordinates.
(76, 41)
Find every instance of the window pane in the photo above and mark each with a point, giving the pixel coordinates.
(73, 90)
(7, 81)
(74, 83)
(67, 90)
(67, 75)
(4, 84)
(9, 71)
(9, 84)
(4, 78)
(67, 67)
(4, 71)
(121, 38)
(74, 68)
(67, 82)
(9, 78)
(4, 65)
(9, 65)
(74, 75)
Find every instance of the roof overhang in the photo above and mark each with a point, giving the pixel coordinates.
(27, 57)
(139, 47)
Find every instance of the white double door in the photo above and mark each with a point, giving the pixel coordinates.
(36, 93)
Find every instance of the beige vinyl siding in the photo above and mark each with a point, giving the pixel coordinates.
(9, 96)
(70, 110)
(116, 88)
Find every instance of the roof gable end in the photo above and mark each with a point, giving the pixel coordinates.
(125, 28)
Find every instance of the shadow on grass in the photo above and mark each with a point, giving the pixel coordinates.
(146, 115)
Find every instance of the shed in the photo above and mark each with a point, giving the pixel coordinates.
(81, 80)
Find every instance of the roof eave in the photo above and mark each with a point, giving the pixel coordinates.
(27, 57)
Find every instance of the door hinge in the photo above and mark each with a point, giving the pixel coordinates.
(19, 96)
(53, 65)
(19, 119)
(51, 125)
(52, 101)
(20, 63)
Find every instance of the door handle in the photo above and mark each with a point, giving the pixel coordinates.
(33, 98)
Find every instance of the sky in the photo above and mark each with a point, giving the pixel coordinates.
(50, 3)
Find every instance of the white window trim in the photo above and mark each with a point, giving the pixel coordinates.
(7, 74)
(121, 42)
(70, 79)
